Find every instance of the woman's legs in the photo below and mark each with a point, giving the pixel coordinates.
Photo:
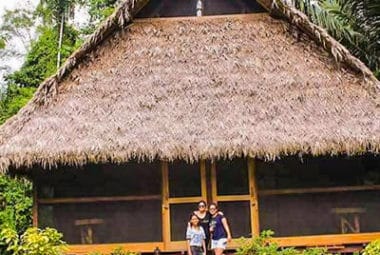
(218, 251)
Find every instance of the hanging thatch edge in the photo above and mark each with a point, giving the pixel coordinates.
(336, 49)
(189, 154)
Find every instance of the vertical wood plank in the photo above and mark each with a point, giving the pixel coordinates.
(35, 204)
(203, 180)
(214, 192)
(165, 204)
(255, 224)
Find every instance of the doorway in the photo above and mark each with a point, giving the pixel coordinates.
(230, 183)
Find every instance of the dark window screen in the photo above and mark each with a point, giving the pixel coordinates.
(101, 180)
(326, 213)
(221, 7)
(292, 172)
(238, 217)
(111, 222)
(290, 207)
(184, 179)
(232, 177)
(179, 217)
(174, 8)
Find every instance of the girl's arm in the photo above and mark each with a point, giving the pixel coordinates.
(188, 238)
(226, 227)
(188, 247)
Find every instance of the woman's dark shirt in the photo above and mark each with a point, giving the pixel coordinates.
(205, 223)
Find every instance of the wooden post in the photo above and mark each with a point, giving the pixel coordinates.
(254, 198)
(35, 204)
(214, 192)
(165, 204)
(203, 180)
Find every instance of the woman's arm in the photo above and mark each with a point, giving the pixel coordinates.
(226, 227)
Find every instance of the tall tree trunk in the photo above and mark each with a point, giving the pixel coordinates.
(60, 40)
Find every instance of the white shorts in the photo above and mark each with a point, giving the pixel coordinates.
(220, 243)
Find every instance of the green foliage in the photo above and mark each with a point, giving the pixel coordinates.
(117, 251)
(2, 43)
(262, 245)
(14, 98)
(33, 242)
(52, 11)
(258, 245)
(373, 248)
(355, 23)
(15, 203)
(99, 10)
(40, 61)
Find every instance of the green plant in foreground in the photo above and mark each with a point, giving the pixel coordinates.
(33, 242)
(373, 248)
(117, 251)
(262, 245)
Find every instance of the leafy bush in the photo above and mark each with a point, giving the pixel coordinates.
(262, 245)
(117, 251)
(15, 203)
(33, 242)
(373, 248)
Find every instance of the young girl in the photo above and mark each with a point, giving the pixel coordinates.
(219, 229)
(195, 236)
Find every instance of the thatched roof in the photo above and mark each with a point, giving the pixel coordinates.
(195, 88)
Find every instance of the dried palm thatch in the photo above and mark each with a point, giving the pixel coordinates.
(193, 88)
(339, 52)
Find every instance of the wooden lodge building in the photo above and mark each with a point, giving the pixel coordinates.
(242, 106)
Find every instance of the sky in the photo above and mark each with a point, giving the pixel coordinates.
(13, 63)
(81, 17)
(11, 4)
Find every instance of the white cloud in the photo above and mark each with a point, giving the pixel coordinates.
(11, 64)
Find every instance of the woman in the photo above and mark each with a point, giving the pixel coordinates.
(219, 230)
(195, 236)
(204, 218)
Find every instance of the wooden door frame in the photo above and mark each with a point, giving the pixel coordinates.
(167, 201)
(251, 197)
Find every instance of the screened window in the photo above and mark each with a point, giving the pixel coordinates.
(179, 217)
(101, 180)
(110, 222)
(184, 179)
(321, 195)
(239, 217)
(232, 177)
(102, 203)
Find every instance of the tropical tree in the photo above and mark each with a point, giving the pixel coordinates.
(57, 13)
(99, 10)
(40, 61)
(355, 23)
